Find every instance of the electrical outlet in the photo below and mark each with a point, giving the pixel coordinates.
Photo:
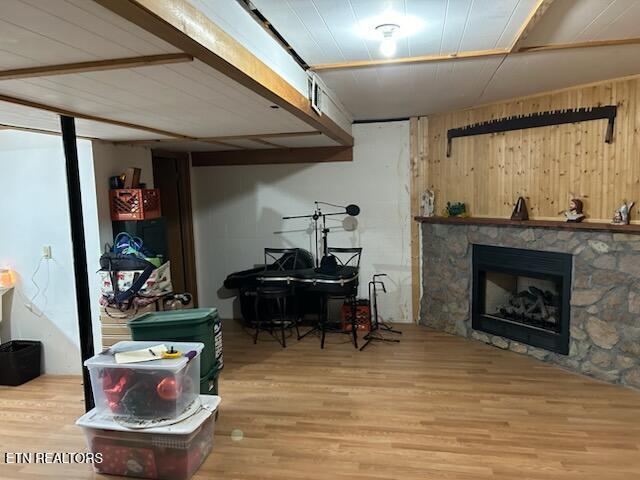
(46, 252)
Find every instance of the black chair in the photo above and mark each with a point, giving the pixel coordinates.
(278, 295)
(346, 258)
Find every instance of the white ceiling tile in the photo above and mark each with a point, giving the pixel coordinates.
(583, 20)
(560, 69)
(406, 90)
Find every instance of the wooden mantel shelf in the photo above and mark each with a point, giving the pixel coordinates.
(557, 224)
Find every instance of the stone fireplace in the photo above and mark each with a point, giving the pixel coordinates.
(600, 335)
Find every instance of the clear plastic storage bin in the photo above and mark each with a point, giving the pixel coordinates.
(172, 452)
(154, 390)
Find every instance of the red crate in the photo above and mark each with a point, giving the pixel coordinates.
(134, 204)
(363, 316)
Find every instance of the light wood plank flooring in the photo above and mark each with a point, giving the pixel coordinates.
(432, 407)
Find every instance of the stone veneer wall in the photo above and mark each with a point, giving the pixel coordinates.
(605, 300)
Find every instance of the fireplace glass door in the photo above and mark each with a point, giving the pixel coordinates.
(523, 295)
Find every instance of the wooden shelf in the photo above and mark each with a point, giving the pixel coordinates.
(557, 224)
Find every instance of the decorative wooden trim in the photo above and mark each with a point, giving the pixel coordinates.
(69, 113)
(265, 142)
(558, 224)
(527, 27)
(183, 26)
(410, 60)
(221, 140)
(272, 156)
(94, 66)
(414, 186)
(267, 135)
(224, 144)
(39, 130)
(589, 44)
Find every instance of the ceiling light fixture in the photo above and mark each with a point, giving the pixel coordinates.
(388, 43)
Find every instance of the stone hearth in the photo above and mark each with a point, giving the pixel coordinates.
(605, 300)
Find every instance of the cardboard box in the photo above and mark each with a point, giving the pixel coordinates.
(132, 177)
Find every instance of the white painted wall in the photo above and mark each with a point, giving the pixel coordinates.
(35, 212)
(238, 210)
(33, 183)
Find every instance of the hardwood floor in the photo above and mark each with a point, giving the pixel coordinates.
(432, 407)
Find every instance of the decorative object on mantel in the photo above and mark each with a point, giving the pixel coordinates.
(458, 209)
(427, 203)
(520, 211)
(574, 214)
(623, 214)
(535, 120)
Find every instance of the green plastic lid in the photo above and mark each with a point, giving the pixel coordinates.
(174, 318)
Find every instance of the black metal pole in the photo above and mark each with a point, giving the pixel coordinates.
(80, 268)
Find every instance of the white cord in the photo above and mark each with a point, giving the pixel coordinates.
(39, 292)
(33, 280)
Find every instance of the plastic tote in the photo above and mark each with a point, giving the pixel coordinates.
(189, 325)
(157, 389)
(172, 452)
(209, 382)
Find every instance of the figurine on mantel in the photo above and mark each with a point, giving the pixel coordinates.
(623, 214)
(574, 214)
(520, 211)
(427, 203)
(457, 209)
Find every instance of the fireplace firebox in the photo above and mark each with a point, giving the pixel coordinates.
(523, 295)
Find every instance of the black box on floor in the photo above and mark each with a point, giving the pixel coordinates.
(21, 361)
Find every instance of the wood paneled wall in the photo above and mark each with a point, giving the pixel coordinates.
(547, 165)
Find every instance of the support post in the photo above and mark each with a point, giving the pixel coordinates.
(80, 269)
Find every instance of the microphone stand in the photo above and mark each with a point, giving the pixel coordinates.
(316, 215)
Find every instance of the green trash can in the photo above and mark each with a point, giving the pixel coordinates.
(189, 325)
(209, 382)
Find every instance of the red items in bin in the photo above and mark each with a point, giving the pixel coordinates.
(134, 203)
(146, 391)
(363, 316)
(172, 452)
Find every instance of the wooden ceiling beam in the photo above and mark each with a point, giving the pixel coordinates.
(529, 24)
(4, 126)
(229, 138)
(183, 26)
(589, 44)
(272, 156)
(265, 142)
(410, 60)
(268, 135)
(94, 66)
(84, 116)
